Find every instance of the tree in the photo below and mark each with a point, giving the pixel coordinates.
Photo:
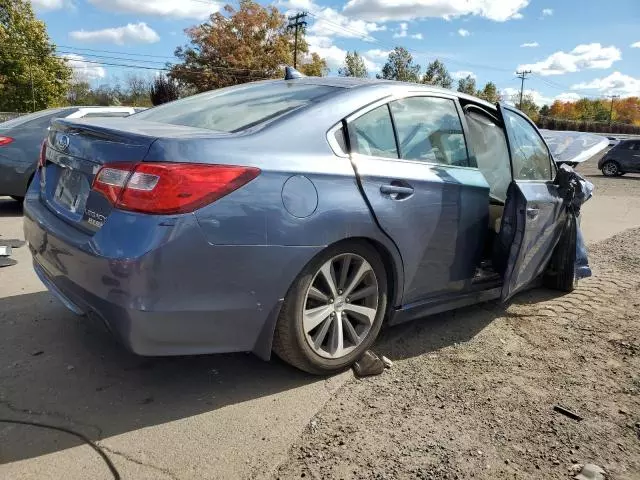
(353, 66)
(467, 85)
(544, 111)
(400, 66)
(489, 93)
(316, 67)
(137, 91)
(236, 46)
(528, 107)
(437, 74)
(32, 77)
(163, 90)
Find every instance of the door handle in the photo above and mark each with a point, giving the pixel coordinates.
(396, 192)
(532, 213)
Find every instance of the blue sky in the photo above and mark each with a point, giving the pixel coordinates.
(574, 47)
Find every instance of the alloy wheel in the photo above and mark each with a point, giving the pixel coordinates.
(610, 169)
(340, 306)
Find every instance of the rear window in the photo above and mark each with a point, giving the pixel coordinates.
(237, 108)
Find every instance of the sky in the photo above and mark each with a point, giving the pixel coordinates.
(573, 48)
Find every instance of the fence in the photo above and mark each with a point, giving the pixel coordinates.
(4, 116)
(551, 123)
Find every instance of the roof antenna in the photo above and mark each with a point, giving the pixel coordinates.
(291, 73)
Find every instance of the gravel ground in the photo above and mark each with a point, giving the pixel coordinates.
(472, 392)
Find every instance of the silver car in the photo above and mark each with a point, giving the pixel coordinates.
(21, 137)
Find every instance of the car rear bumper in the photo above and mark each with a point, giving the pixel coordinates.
(181, 296)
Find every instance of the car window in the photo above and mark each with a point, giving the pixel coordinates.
(372, 134)
(238, 108)
(39, 119)
(529, 153)
(489, 143)
(429, 130)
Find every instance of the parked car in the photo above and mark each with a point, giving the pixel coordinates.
(621, 159)
(295, 216)
(20, 140)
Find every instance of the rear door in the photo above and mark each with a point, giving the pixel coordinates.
(411, 159)
(630, 157)
(534, 213)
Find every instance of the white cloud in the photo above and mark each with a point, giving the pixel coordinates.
(463, 74)
(568, 97)
(547, 12)
(582, 57)
(131, 33)
(402, 30)
(417, 36)
(83, 71)
(517, 16)
(463, 33)
(328, 22)
(616, 83)
(48, 4)
(377, 54)
(530, 45)
(383, 10)
(635, 45)
(165, 8)
(333, 54)
(512, 95)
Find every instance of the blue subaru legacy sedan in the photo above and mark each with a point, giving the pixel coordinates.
(294, 216)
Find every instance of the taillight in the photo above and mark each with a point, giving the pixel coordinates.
(169, 188)
(5, 140)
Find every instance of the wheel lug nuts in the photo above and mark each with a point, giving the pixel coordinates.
(346, 299)
(331, 300)
(339, 292)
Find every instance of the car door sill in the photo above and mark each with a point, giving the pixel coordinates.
(444, 303)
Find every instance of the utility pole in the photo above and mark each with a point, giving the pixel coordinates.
(522, 75)
(613, 97)
(297, 22)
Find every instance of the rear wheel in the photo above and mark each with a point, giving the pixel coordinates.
(610, 169)
(334, 310)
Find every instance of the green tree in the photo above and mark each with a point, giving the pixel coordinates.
(528, 106)
(353, 66)
(489, 93)
(544, 111)
(32, 77)
(467, 85)
(437, 75)
(163, 90)
(236, 46)
(400, 66)
(316, 66)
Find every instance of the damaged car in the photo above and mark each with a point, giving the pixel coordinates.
(296, 216)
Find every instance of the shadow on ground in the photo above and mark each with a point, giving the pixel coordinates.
(63, 370)
(10, 208)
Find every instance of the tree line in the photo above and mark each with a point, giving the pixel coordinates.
(236, 45)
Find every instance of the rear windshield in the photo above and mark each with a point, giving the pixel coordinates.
(237, 108)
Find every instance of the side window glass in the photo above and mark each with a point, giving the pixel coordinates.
(531, 159)
(372, 134)
(429, 130)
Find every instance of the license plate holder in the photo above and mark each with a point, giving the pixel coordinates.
(72, 190)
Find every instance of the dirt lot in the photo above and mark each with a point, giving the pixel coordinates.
(471, 393)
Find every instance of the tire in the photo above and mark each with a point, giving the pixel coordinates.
(610, 169)
(315, 349)
(561, 273)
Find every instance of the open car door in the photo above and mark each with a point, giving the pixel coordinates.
(534, 214)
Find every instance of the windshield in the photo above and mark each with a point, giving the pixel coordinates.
(231, 110)
(27, 118)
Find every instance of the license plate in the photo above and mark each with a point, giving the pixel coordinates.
(72, 190)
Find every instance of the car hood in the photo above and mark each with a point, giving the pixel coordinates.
(573, 147)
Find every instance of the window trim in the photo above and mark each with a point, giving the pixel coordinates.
(349, 119)
(552, 166)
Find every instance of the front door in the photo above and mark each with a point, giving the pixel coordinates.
(630, 157)
(534, 213)
(411, 159)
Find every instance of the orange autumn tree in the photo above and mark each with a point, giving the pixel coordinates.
(240, 45)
